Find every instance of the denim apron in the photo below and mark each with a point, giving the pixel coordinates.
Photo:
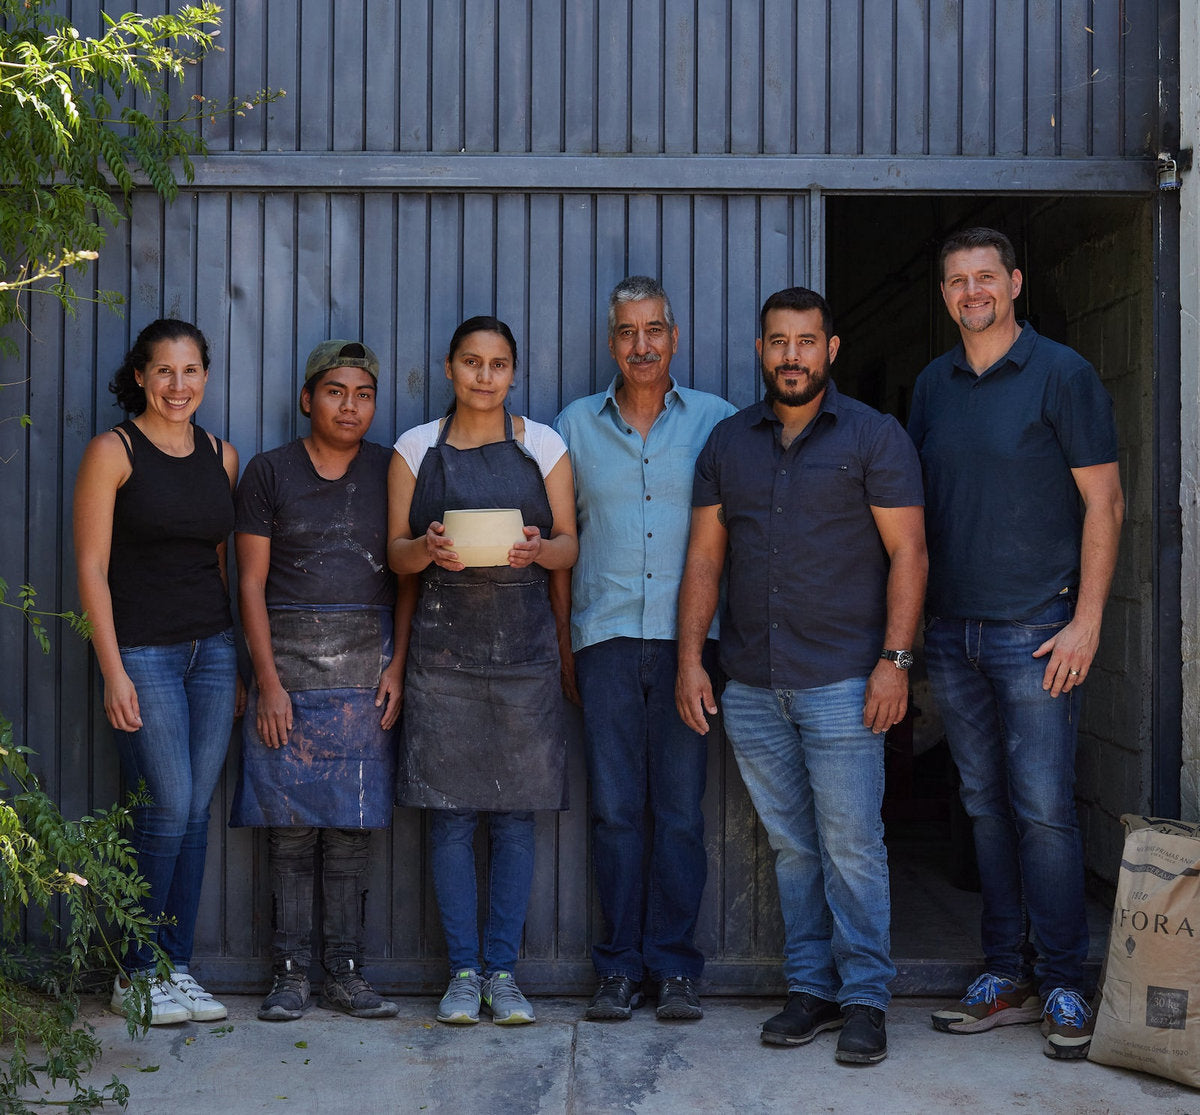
(483, 723)
(338, 766)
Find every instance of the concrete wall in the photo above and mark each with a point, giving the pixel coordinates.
(1189, 496)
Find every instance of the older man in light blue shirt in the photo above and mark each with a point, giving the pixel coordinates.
(633, 449)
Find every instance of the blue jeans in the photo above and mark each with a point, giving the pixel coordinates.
(186, 697)
(510, 876)
(1014, 746)
(640, 752)
(815, 775)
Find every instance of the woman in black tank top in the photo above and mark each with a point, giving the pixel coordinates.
(153, 512)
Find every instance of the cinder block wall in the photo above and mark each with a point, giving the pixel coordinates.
(1189, 296)
(1097, 276)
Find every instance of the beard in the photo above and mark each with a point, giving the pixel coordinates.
(979, 322)
(818, 380)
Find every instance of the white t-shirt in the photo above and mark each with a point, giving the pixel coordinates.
(546, 447)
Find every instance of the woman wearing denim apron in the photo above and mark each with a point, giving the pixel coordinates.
(483, 727)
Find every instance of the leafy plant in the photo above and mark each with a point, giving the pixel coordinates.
(86, 868)
(79, 117)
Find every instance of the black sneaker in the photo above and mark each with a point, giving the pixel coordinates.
(615, 1000)
(804, 1017)
(288, 998)
(678, 1000)
(347, 991)
(863, 1040)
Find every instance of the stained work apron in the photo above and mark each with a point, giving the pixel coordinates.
(338, 766)
(483, 725)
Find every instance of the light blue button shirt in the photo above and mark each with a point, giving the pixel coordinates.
(634, 505)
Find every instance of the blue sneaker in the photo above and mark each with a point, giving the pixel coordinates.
(1067, 1025)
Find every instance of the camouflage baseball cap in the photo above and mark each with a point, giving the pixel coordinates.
(340, 354)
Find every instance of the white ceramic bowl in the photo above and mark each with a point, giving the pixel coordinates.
(483, 536)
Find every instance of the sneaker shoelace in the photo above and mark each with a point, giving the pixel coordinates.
(985, 988)
(1067, 1008)
(288, 981)
(504, 990)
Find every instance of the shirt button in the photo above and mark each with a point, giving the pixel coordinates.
(645, 460)
(649, 534)
(647, 499)
(774, 626)
(778, 510)
(783, 472)
(775, 588)
(649, 576)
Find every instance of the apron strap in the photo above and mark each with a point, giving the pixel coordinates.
(445, 430)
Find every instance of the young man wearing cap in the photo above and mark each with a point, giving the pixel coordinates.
(327, 639)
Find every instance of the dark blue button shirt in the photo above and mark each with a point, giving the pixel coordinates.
(1003, 517)
(808, 573)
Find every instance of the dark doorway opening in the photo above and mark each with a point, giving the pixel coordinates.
(882, 282)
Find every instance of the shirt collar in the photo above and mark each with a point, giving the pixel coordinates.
(610, 396)
(1018, 355)
(831, 404)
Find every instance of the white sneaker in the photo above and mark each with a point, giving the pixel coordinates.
(201, 1006)
(164, 1007)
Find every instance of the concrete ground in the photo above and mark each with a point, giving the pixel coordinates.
(331, 1064)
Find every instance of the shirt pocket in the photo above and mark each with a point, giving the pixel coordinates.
(828, 487)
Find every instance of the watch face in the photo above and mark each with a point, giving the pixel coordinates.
(905, 660)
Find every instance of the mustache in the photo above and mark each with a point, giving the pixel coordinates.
(649, 358)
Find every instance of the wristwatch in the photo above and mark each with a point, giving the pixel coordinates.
(902, 659)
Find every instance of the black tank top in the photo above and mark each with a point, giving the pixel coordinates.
(169, 518)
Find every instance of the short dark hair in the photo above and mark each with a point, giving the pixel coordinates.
(796, 298)
(482, 323)
(967, 239)
(131, 397)
(637, 288)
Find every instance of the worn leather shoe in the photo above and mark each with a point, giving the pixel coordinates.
(804, 1017)
(678, 1000)
(863, 1040)
(615, 1000)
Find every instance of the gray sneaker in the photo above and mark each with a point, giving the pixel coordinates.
(288, 999)
(504, 1000)
(460, 1004)
(347, 991)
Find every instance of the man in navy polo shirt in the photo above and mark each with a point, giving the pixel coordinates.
(1019, 449)
(816, 500)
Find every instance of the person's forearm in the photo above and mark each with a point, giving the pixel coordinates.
(699, 593)
(406, 606)
(1098, 559)
(256, 625)
(905, 597)
(559, 552)
(408, 555)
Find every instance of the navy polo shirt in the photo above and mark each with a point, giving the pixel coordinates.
(807, 596)
(1003, 515)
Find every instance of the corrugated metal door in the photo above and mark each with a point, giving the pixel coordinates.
(435, 160)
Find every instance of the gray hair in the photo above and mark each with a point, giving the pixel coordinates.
(637, 288)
